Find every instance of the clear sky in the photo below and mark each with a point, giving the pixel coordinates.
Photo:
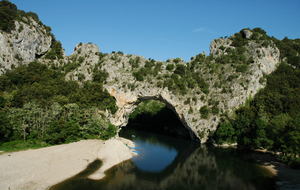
(161, 29)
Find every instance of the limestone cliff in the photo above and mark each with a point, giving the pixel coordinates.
(29, 41)
(229, 84)
(198, 91)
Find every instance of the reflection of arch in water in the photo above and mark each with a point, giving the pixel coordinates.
(183, 148)
(193, 168)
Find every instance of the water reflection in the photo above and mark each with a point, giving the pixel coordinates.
(194, 167)
(153, 157)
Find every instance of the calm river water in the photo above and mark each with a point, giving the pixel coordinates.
(170, 163)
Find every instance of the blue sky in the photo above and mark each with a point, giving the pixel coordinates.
(161, 29)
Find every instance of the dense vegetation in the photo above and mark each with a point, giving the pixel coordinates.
(271, 119)
(37, 104)
(179, 79)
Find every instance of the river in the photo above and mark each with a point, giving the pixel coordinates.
(171, 163)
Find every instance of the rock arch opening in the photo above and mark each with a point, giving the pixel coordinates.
(156, 116)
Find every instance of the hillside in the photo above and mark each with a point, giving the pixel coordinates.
(219, 98)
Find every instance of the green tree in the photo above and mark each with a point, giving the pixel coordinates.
(225, 133)
(8, 13)
(204, 111)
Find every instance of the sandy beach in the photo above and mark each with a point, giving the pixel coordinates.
(42, 168)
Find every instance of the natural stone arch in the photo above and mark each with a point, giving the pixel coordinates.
(128, 101)
(128, 89)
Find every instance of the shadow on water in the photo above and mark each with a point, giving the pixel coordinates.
(79, 181)
(194, 167)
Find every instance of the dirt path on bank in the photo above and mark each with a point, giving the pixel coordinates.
(41, 168)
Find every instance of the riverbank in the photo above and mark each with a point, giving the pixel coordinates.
(41, 168)
(288, 178)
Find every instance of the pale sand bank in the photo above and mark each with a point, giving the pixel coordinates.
(42, 168)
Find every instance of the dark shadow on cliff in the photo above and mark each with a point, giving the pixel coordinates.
(165, 122)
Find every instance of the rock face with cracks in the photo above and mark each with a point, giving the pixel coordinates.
(26, 43)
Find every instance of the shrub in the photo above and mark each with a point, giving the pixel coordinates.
(81, 77)
(56, 50)
(177, 60)
(138, 76)
(204, 111)
(231, 77)
(111, 131)
(215, 110)
(170, 67)
(120, 53)
(8, 13)
(188, 101)
(180, 70)
(80, 59)
(242, 68)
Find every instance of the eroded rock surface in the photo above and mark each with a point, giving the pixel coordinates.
(26, 43)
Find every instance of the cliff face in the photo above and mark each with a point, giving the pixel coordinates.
(26, 43)
(228, 86)
(198, 91)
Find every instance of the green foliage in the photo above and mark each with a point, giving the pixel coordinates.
(180, 70)
(204, 111)
(138, 76)
(81, 77)
(289, 49)
(142, 73)
(120, 53)
(18, 145)
(8, 13)
(271, 119)
(176, 60)
(134, 62)
(70, 66)
(100, 75)
(170, 67)
(56, 51)
(151, 107)
(111, 131)
(242, 68)
(215, 110)
(225, 133)
(231, 77)
(188, 101)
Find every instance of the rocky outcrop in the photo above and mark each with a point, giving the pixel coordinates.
(247, 33)
(28, 41)
(87, 56)
(129, 92)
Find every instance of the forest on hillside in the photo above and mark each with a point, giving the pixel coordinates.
(38, 104)
(38, 107)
